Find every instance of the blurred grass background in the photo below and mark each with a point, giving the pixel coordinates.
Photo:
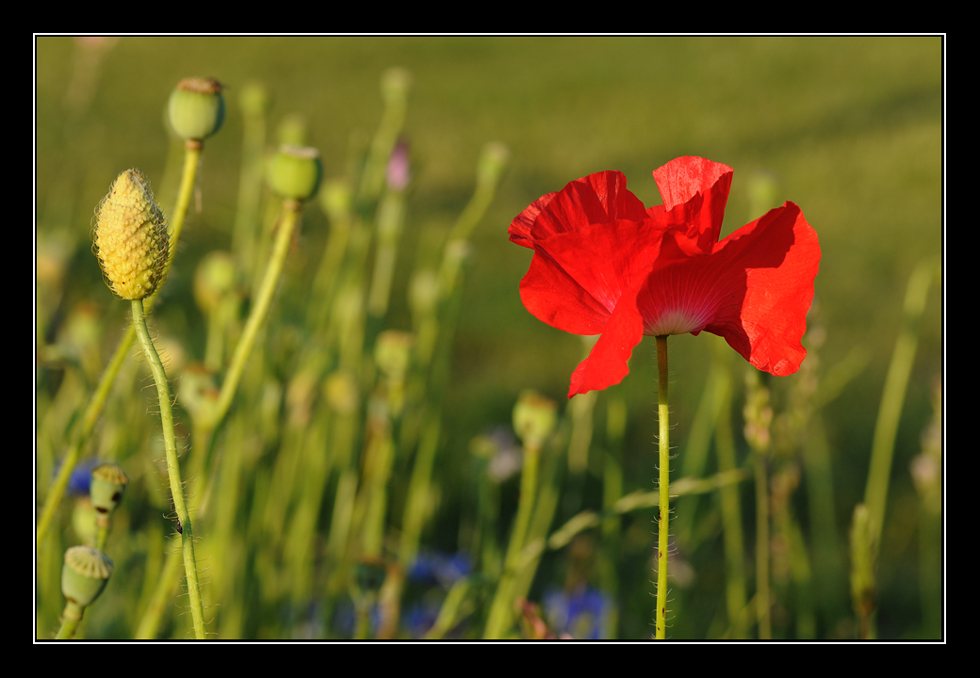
(848, 128)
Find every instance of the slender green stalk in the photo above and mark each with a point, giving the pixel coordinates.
(162, 593)
(664, 487)
(762, 545)
(896, 384)
(735, 590)
(97, 404)
(69, 621)
(501, 610)
(173, 467)
(263, 301)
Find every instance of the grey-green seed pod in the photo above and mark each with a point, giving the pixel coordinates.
(295, 172)
(535, 418)
(214, 280)
(254, 99)
(84, 574)
(107, 487)
(197, 108)
(337, 199)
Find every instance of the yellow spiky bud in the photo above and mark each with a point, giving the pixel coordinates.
(131, 238)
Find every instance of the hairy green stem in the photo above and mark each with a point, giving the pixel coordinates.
(97, 403)
(173, 466)
(664, 487)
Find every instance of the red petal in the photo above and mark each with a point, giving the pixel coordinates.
(607, 363)
(553, 297)
(596, 199)
(520, 227)
(681, 181)
(577, 278)
(769, 266)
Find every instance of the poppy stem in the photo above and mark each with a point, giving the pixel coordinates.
(664, 488)
(173, 466)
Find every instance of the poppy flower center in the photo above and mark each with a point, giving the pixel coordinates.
(676, 321)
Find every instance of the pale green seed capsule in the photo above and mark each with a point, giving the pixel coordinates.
(107, 487)
(84, 575)
(214, 280)
(197, 108)
(295, 172)
(337, 200)
(535, 418)
(131, 238)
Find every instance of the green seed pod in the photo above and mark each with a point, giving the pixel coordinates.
(295, 172)
(395, 84)
(197, 108)
(214, 280)
(337, 200)
(254, 99)
(107, 487)
(84, 574)
(198, 392)
(535, 418)
(131, 238)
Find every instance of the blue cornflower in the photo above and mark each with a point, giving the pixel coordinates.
(581, 613)
(436, 568)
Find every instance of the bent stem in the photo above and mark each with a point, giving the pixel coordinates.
(664, 488)
(173, 468)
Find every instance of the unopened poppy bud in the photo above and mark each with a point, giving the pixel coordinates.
(295, 172)
(492, 162)
(198, 392)
(336, 199)
(84, 574)
(395, 83)
(254, 99)
(107, 487)
(535, 418)
(131, 238)
(197, 108)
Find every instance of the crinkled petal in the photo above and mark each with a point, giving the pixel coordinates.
(552, 296)
(520, 228)
(695, 191)
(607, 363)
(767, 270)
(576, 278)
(596, 199)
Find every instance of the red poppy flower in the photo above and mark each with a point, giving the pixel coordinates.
(604, 264)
